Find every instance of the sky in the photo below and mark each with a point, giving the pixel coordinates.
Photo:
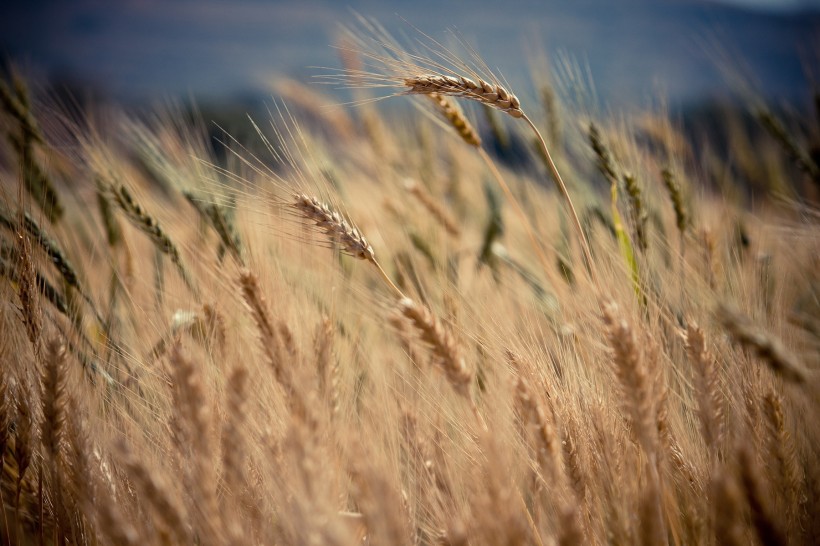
(143, 49)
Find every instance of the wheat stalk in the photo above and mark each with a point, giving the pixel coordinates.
(146, 223)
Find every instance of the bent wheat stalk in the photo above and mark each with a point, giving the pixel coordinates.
(496, 96)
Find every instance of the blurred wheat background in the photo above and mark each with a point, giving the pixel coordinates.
(448, 312)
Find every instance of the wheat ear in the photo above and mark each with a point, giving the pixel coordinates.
(153, 489)
(762, 512)
(441, 342)
(492, 95)
(710, 402)
(146, 223)
(767, 347)
(445, 348)
(339, 231)
(534, 414)
(783, 449)
(457, 119)
(635, 378)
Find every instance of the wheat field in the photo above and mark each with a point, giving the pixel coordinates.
(369, 325)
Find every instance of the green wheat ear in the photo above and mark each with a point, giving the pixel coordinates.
(37, 182)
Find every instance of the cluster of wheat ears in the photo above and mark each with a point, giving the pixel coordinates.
(478, 359)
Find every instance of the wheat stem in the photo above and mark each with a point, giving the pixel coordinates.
(563, 189)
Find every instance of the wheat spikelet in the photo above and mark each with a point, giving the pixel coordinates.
(457, 119)
(213, 324)
(727, 507)
(49, 246)
(78, 450)
(38, 184)
(275, 347)
(571, 531)
(217, 217)
(639, 215)
(442, 343)
(232, 444)
(27, 292)
(323, 350)
(602, 154)
(17, 105)
(796, 153)
(111, 522)
(339, 231)
(767, 347)
(6, 414)
(573, 460)
(270, 340)
(23, 437)
(189, 397)
(113, 231)
(492, 95)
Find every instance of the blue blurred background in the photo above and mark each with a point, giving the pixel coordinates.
(137, 50)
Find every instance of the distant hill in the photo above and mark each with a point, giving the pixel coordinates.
(633, 47)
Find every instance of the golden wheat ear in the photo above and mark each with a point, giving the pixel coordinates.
(338, 230)
(334, 226)
(493, 95)
(441, 342)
